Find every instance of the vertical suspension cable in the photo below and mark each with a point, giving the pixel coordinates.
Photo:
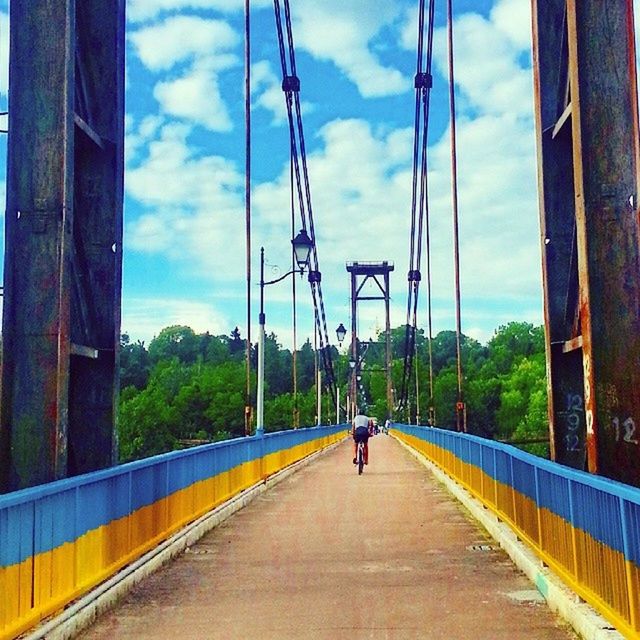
(247, 199)
(431, 408)
(460, 422)
(321, 319)
(291, 87)
(417, 365)
(419, 201)
(316, 364)
(294, 359)
(413, 272)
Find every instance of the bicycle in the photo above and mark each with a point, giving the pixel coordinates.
(360, 457)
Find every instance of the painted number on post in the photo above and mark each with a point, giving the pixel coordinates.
(625, 431)
(574, 409)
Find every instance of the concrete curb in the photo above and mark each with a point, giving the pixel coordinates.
(81, 613)
(587, 622)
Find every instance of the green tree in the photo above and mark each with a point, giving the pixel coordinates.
(145, 425)
(217, 350)
(225, 387)
(482, 398)
(147, 420)
(177, 341)
(135, 364)
(445, 395)
(306, 366)
(277, 367)
(278, 412)
(237, 345)
(522, 412)
(190, 385)
(513, 342)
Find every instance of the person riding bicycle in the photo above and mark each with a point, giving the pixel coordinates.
(360, 430)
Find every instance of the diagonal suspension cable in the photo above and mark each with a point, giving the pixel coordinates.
(291, 87)
(419, 201)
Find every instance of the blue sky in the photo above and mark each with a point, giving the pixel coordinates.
(184, 182)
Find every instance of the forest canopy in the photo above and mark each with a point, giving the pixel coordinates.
(187, 387)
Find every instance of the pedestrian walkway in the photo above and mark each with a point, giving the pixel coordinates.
(328, 554)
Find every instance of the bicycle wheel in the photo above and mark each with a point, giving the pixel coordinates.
(360, 458)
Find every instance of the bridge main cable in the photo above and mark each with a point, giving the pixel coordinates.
(291, 87)
(419, 203)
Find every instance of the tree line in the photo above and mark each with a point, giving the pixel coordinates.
(191, 387)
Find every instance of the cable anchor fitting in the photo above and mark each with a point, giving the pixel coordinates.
(414, 275)
(423, 80)
(291, 83)
(315, 276)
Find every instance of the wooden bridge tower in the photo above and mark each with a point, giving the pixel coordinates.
(63, 260)
(587, 133)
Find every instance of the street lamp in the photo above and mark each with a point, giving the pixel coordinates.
(341, 332)
(302, 246)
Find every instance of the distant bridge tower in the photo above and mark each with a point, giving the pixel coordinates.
(588, 159)
(63, 261)
(361, 273)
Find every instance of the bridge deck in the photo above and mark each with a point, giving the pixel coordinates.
(328, 554)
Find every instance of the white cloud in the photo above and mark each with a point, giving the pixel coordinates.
(408, 33)
(486, 66)
(142, 318)
(513, 18)
(342, 31)
(181, 38)
(267, 87)
(135, 139)
(141, 10)
(194, 211)
(196, 96)
(363, 214)
(193, 95)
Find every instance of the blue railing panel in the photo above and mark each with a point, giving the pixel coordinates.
(16, 533)
(149, 484)
(503, 467)
(488, 461)
(524, 478)
(599, 514)
(553, 494)
(54, 526)
(631, 530)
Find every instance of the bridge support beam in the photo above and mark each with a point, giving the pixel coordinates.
(361, 273)
(63, 260)
(587, 133)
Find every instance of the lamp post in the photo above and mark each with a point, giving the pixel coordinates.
(353, 408)
(341, 332)
(302, 245)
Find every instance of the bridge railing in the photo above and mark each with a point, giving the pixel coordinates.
(585, 527)
(59, 540)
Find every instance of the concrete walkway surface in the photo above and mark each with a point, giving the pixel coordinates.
(328, 554)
